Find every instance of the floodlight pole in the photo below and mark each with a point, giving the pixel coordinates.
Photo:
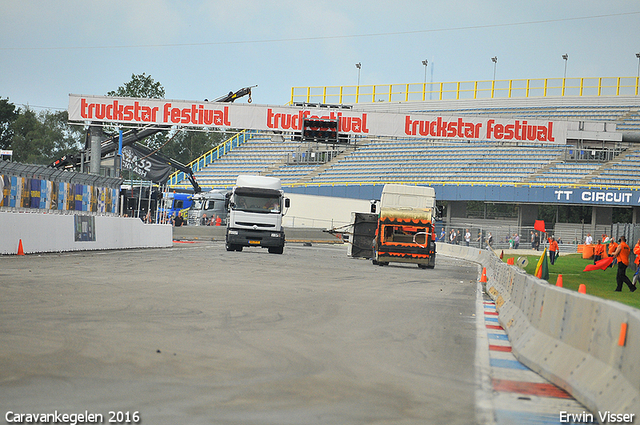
(495, 64)
(425, 63)
(358, 65)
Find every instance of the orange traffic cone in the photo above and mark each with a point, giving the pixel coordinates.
(483, 278)
(559, 281)
(582, 288)
(511, 261)
(20, 249)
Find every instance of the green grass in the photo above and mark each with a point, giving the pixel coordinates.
(599, 283)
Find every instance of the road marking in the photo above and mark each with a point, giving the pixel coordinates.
(514, 393)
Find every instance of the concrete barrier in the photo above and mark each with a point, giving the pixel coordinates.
(66, 232)
(571, 339)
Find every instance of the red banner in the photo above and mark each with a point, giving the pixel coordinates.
(130, 111)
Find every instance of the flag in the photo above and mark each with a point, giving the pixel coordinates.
(542, 268)
(599, 265)
(539, 226)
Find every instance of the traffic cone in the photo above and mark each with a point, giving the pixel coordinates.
(511, 261)
(559, 281)
(582, 288)
(20, 249)
(483, 278)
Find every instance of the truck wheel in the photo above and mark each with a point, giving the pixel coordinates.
(230, 247)
(276, 249)
(422, 266)
(374, 261)
(383, 263)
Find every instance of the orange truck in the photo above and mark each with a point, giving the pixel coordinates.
(405, 232)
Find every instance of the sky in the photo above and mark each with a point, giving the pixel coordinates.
(203, 49)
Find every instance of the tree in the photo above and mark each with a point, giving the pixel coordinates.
(141, 85)
(8, 115)
(184, 146)
(44, 137)
(189, 145)
(29, 144)
(67, 138)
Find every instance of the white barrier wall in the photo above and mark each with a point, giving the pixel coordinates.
(57, 232)
(571, 339)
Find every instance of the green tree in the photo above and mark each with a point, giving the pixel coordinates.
(28, 143)
(44, 137)
(67, 138)
(8, 115)
(184, 146)
(145, 87)
(189, 145)
(140, 85)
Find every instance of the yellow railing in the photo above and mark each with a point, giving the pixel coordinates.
(465, 183)
(488, 89)
(442, 183)
(211, 156)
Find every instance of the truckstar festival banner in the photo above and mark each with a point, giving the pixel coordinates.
(130, 111)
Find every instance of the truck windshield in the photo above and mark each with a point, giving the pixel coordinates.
(198, 204)
(257, 204)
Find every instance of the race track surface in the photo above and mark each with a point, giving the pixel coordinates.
(197, 335)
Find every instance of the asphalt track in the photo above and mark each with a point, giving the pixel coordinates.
(197, 335)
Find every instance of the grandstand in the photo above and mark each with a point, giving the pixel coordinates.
(256, 155)
(378, 160)
(596, 168)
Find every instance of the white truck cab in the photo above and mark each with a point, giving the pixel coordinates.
(256, 207)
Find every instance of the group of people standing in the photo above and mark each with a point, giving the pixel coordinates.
(620, 252)
(456, 236)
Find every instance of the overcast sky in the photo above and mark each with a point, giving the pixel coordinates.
(204, 49)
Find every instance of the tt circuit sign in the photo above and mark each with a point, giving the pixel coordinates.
(526, 194)
(131, 111)
(597, 197)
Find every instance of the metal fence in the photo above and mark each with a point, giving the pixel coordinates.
(35, 188)
(482, 89)
(569, 235)
(306, 156)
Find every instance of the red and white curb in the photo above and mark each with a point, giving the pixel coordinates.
(507, 391)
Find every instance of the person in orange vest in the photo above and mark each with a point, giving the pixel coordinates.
(612, 248)
(553, 250)
(598, 252)
(636, 251)
(622, 255)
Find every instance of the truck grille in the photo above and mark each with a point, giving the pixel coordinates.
(244, 223)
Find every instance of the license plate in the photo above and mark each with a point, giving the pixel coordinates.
(254, 242)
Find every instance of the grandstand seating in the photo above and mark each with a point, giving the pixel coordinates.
(564, 173)
(417, 160)
(254, 156)
(626, 171)
(378, 160)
